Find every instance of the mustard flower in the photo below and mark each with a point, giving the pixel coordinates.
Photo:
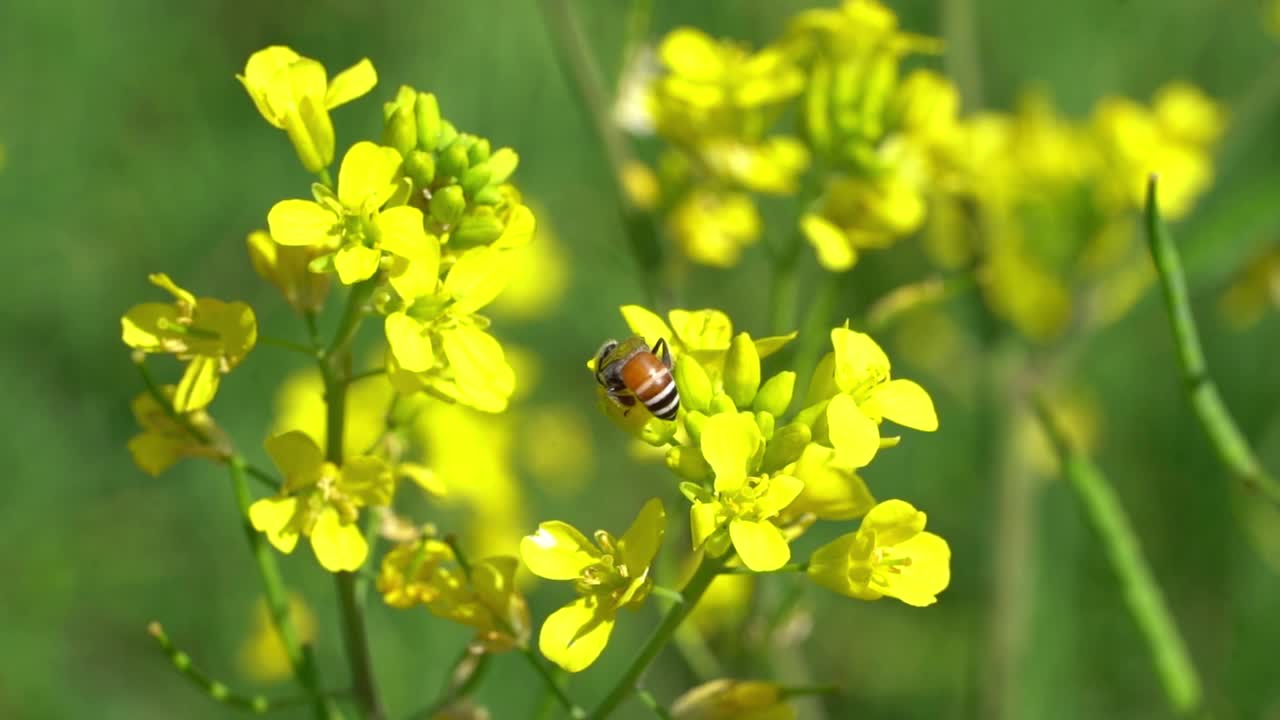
(483, 596)
(288, 269)
(321, 501)
(712, 227)
(609, 574)
(832, 491)
(364, 217)
(164, 441)
(890, 555)
(856, 378)
(293, 93)
(726, 699)
(212, 335)
(704, 334)
(743, 504)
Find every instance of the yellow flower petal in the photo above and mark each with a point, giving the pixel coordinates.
(903, 402)
(155, 453)
(647, 325)
(476, 278)
(729, 444)
(140, 326)
(855, 436)
(834, 250)
(273, 516)
(338, 546)
(367, 480)
(297, 456)
(310, 129)
(400, 232)
(484, 378)
(368, 170)
(301, 222)
(859, 360)
(409, 342)
(424, 477)
(350, 84)
(261, 67)
(761, 545)
(709, 330)
(575, 635)
(704, 519)
(355, 263)
(829, 565)
(894, 521)
(691, 53)
(640, 543)
(198, 385)
(928, 574)
(413, 279)
(557, 551)
(782, 490)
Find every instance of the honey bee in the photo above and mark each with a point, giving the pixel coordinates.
(630, 370)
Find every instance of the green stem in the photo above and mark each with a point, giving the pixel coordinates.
(788, 568)
(216, 690)
(652, 703)
(1232, 448)
(287, 344)
(584, 80)
(961, 59)
(782, 293)
(467, 672)
(335, 366)
(802, 690)
(277, 598)
(1141, 591)
(815, 333)
(262, 476)
(626, 684)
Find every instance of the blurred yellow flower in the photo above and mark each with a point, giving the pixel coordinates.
(609, 574)
(713, 227)
(726, 699)
(1254, 291)
(293, 93)
(164, 441)
(288, 269)
(212, 335)
(263, 656)
(539, 276)
(299, 405)
(556, 447)
(890, 554)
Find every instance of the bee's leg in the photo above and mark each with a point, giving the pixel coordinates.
(663, 352)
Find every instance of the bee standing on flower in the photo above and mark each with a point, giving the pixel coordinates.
(630, 370)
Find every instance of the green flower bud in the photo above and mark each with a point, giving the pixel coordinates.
(448, 134)
(658, 432)
(742, 370)
(321, 264)
(426, 112)
(400, 129)
(475, 179)
(476, 230)
(688, 463)
(421, 167)
(693, 422)
(812, 414)
(693, 383)
(479, 151)
(785, 447)
(453, 160)
(447, 205)
(489, 195)
(765, 422)
(722, 403)
(503, 163)
(775, 395)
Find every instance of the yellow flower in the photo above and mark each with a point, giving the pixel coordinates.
(832, 491)
(288, 268)
(713, 227)
(483, 596)
(299, 405)
(890, 554)
(294, 94)
(856, 378)
(214, 336)
(321, 501)
(726, 699)
(263, 655)
(354, 219)
(1254, 290)
(857, 213)
(539, 276)
(743, 506)
(704, 334)
(164, 441)
(609, 574)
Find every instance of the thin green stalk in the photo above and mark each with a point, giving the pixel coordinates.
(815, 332)
(961, 59)
(782, 293)
(335, 368)
(287, 345)
(217, 690)
(467, 672)
(626, 683)
(1232, 447)
(1141, 591)
(300, 658)
(788, 568)
(584, 79)
(652, 703)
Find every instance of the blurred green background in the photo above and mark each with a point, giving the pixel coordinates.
(130, 148)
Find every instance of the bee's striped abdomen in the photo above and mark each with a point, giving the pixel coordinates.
(651, 382)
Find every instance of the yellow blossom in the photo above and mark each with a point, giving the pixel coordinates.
(288, 269)
(726, 699)
(703, 334)
(713, 227)
(890, 554)
(293, 93)
(164, 441)
(321, 501)
(212, 335)
(609, 574)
